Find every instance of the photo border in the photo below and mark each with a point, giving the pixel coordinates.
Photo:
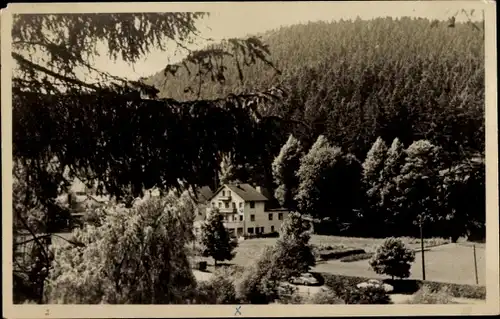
(200, 311)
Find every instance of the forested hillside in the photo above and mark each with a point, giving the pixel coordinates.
(356, 80)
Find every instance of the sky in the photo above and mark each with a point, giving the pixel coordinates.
(239, 20)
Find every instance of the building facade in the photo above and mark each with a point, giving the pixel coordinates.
(243, 208)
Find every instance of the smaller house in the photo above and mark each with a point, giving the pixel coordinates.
(243, 208)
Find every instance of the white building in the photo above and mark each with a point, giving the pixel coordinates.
(244, 210)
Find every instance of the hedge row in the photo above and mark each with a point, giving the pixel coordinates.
(356, 257)
(325, 254)
(266, 235)
(408, 286)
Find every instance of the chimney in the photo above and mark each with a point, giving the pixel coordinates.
(258, 189)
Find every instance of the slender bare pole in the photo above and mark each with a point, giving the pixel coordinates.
(422, 247)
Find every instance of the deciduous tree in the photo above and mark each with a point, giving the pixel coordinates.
(394, 161)
(418, 184)
(393, 258)
(329, 182)
(137, 256)
(372, 180)
(285, 166)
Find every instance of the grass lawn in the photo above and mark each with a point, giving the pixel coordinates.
(449, 263)
(249, 249)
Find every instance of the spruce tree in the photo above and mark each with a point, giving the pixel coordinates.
(215, 239)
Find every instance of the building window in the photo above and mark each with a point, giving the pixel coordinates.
(271, 216)
(241, 218)
(262, 229)
(227, 205)
(272, 229)
(252, 218)
(220, 204)
(213, 204)
(241, 204)
(223, 193)
(250, 230)
(252, 204)
(234, 205)
(280, 216)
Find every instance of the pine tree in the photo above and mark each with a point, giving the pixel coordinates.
(284, 167)
(216, 241)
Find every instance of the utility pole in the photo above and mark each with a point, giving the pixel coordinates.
(422, 247)
(475, 264)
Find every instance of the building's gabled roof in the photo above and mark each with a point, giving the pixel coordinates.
(204, 194)
(245, 191)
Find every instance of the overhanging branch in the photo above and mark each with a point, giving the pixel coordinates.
(19, 58)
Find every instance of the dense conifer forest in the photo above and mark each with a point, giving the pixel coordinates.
(355, 81)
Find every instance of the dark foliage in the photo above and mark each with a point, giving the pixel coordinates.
(369, 295)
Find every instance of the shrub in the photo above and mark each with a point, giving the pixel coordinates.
(427, 296)
(257, 285)
(393, 258)
(291, 256)
(325, 296)
(368, 295)
(219, 289)
(288, 294)
(344, 287)
(458, 291)
(357, 257)
(338, 283)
